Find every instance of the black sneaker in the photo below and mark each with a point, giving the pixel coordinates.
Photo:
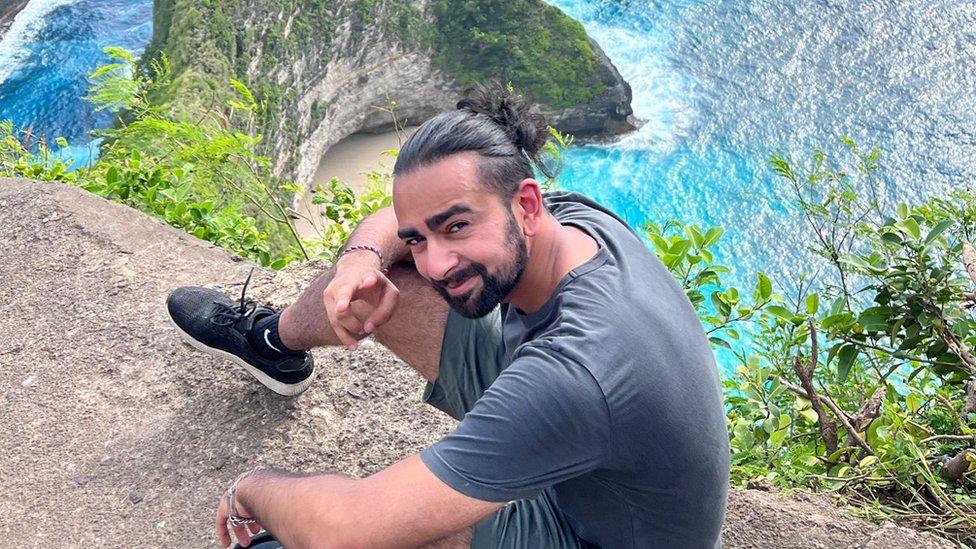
(209, 321)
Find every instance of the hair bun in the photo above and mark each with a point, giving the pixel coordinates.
(511, 111)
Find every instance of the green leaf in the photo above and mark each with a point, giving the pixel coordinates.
(902, 210)
(660, 243)
(764, 287)
(913, 402)
(839, 319)
(937, 231)
(680, 247)
(867, 461)
(813, 303)
(695, 236)
(713, 235)
(719, 342)
(910, 226)
(862, 262)
(892, 238)
(874, 319)
(877, 434)
(810, 461)
(292, 188)
(845, 359)
(244, 92)
(781, 312)
(810, 415)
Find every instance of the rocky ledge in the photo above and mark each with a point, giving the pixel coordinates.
(9, 11)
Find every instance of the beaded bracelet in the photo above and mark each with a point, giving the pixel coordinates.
(362, 247)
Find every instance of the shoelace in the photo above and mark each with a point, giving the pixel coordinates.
(227, 315)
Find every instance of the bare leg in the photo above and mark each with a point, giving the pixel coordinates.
(414, 332)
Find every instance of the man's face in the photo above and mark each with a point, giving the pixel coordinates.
(463, 239)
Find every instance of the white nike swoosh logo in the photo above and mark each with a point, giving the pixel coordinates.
(268, 341)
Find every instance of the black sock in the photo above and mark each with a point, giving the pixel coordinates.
(265, 339)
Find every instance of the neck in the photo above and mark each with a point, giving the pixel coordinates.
(554, 251)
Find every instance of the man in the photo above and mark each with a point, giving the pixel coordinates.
(588, 396)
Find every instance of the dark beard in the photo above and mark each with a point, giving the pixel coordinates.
(495, 288)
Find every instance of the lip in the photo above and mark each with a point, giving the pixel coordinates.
(462, 288)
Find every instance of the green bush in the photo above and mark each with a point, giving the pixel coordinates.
(203, 177)
(861, 381)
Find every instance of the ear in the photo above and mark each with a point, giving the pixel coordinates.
(528, 201)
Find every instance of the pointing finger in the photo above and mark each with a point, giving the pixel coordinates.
(368, 281)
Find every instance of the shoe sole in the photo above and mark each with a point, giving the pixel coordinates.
(283, 389)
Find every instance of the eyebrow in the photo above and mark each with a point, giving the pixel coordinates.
(434, 221)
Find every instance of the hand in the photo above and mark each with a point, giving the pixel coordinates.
(358, 280)
(243, 533)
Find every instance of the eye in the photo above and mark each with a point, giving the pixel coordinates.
(411, 242)
(457, 226)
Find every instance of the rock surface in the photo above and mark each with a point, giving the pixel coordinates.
(8, 11)
(115, 433)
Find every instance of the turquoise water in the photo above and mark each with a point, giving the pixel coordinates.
(722, 84)
(46, 56)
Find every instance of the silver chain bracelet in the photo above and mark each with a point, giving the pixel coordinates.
(235, 519)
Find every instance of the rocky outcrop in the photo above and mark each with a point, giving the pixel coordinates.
(116, 434)
(327, 69)
(9, 11)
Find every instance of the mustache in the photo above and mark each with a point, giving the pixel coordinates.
(461, 275)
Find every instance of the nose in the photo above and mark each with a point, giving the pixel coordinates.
(441, 260)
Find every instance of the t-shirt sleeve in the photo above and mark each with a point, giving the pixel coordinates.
(543, 421)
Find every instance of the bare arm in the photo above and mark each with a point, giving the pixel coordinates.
(378, 230)
(404, 505)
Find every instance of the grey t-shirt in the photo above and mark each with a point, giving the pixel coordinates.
(611, 397)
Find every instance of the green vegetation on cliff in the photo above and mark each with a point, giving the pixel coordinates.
(861, 381)
(540, 50)
(535, 46)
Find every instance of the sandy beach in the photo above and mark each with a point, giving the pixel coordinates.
(349, 160)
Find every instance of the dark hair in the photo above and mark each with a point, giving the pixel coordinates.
(491, 121)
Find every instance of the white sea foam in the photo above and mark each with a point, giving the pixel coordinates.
(15, 45)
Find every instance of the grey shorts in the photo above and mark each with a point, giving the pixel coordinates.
(472, 356)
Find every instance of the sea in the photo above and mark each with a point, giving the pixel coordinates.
(718, 87)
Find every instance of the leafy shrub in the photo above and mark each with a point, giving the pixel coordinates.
(861, 381)
(204, 177)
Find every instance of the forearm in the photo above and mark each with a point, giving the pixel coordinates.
(379, 230)
(301, 511)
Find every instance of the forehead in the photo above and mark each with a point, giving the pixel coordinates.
(427, 190)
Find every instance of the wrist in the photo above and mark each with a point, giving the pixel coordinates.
(239, 504)
(360, 256)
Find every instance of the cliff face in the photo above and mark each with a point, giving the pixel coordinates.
(104, 407)
(324, 70)
(8, 11)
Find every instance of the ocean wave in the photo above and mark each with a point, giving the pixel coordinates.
(14, 47)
